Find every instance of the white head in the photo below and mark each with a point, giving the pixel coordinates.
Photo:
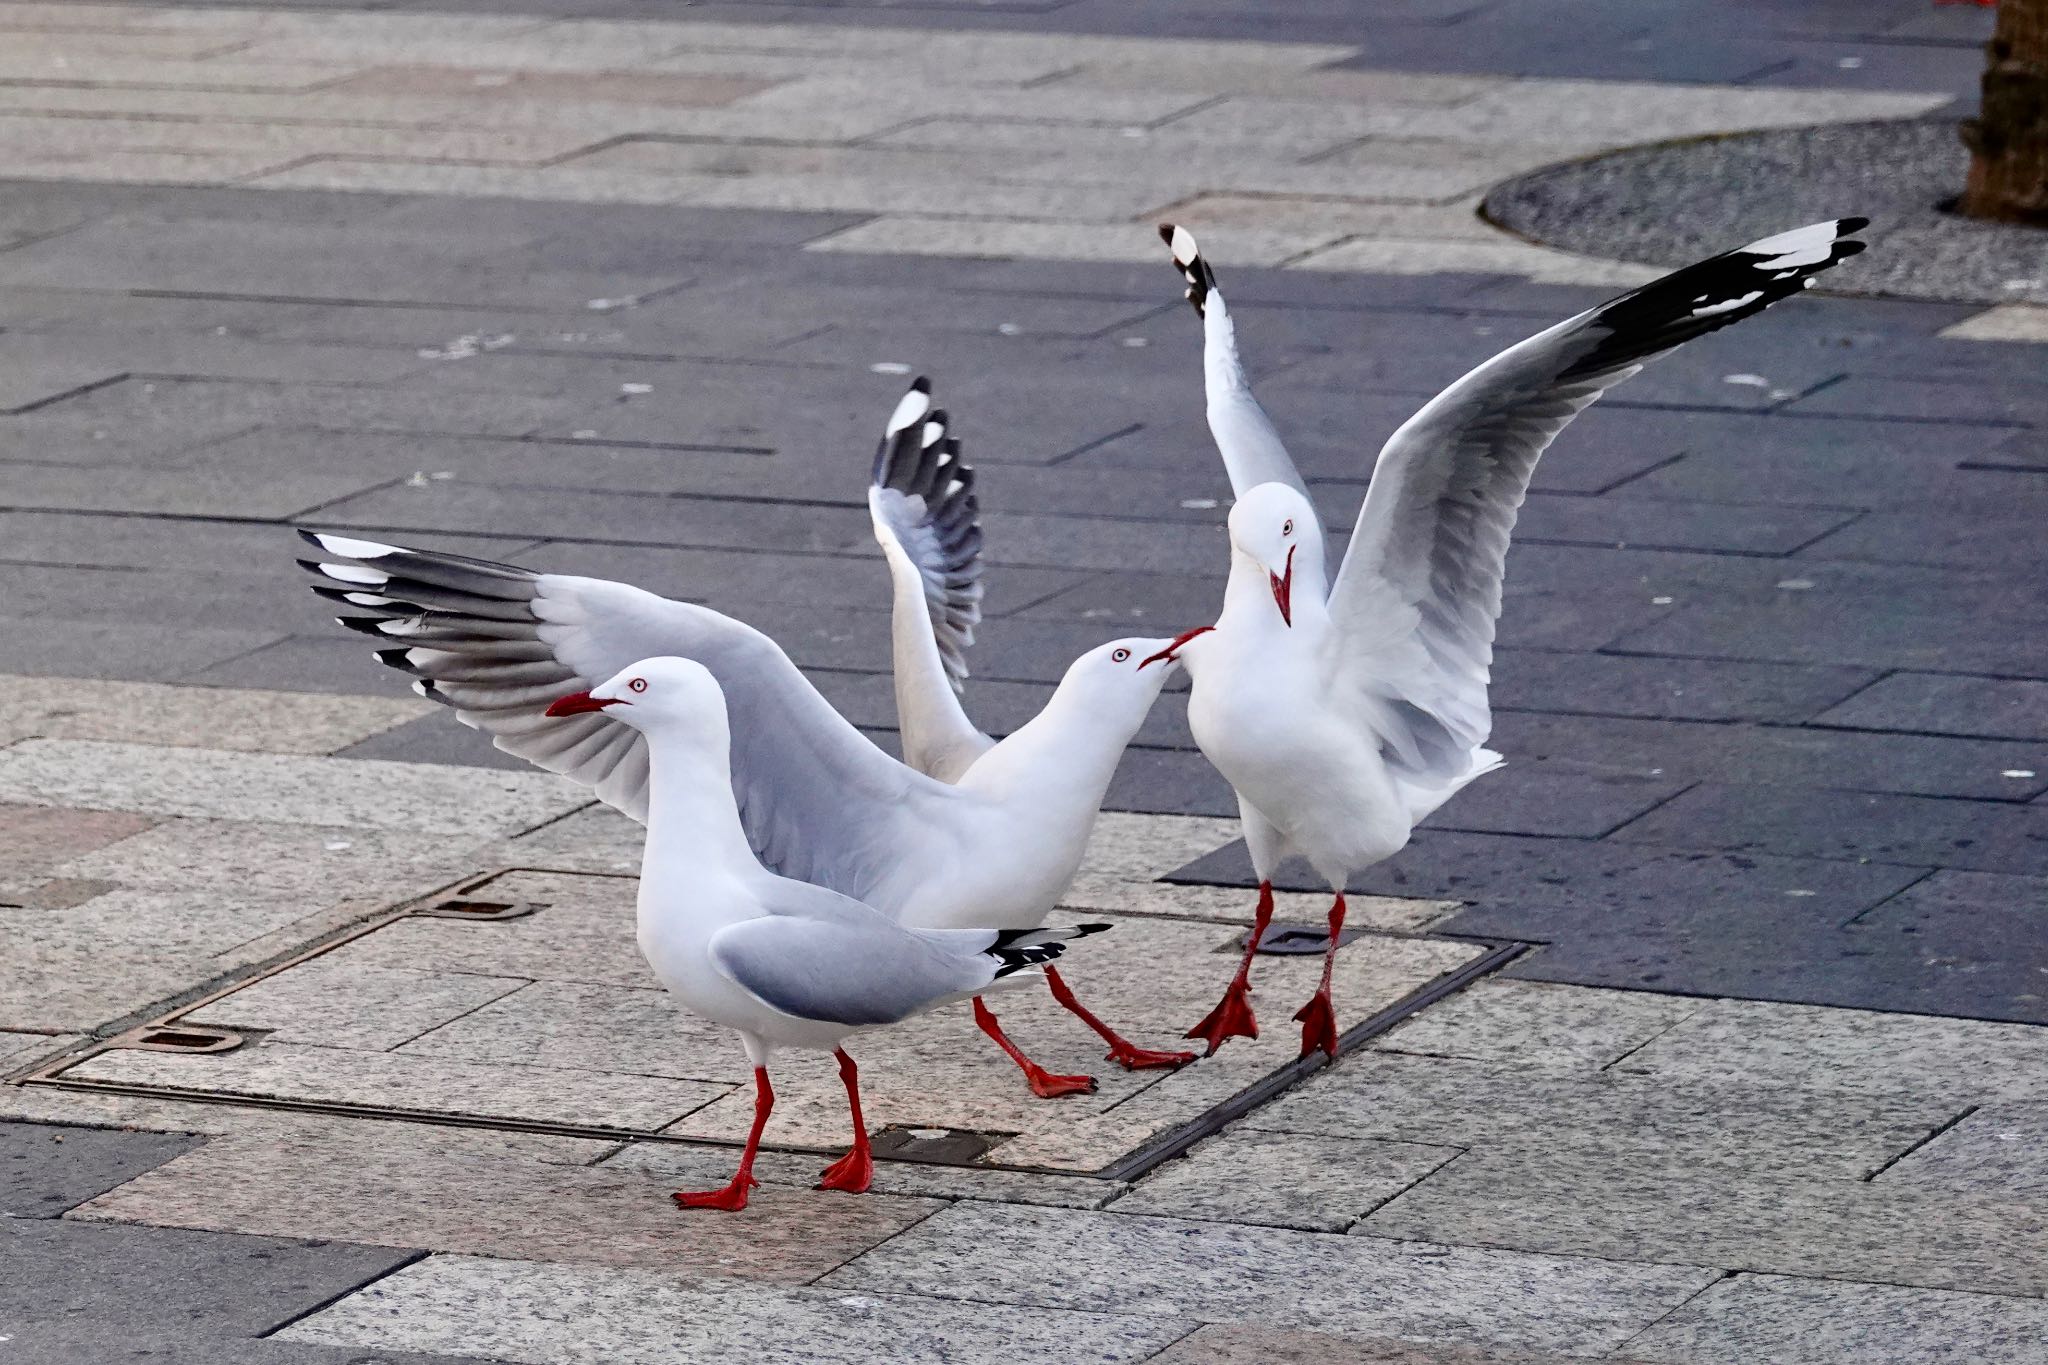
(656, 695)
(1119, 681)
(1273, 529)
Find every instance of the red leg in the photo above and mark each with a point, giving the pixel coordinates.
(855, 1171)
(1232, 1017)
(1319, 1017)
(1044, 1084)
(733, 1197)
(1121, 1051)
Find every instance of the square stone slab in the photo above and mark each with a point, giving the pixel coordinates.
(551, 1017)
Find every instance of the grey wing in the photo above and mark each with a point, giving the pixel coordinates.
(921, 500)
(1252, 451)
(821, 956)
(497, 643)
(1415, 602)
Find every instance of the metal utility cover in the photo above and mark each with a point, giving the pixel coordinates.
(550, 1020)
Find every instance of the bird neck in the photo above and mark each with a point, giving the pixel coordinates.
(1062, 757)
(693, 823)
(1249, 610)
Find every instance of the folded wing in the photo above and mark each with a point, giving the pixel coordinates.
(1415, 602)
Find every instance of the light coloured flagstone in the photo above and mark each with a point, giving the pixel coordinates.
(337, 1004)
(205, 717)
(1789, 1321)
(508, 1311)
(903, 234)
(2002, 1148)
(1289, 1180)
(565, 183)
(594, 839)
(286, 788)
(1137, 847)
(693, 1166)
(1216, 1272)
(58, 981)
(1618, 1119)
(399, 1188)
(584, 933)
(1535, 1023)
(585, 1027)
(1255, 1344)
(108, 72)
(2007, 322)
(316, 864)
(17, 1050)
(1813, 1047)
(179, 926)
(1664, 1209)
(1504, 255)
(425, 1084)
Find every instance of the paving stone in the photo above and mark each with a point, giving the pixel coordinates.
(1289, 1180)
(1983, 835)
(1822, 1322)
(283, 788)
(1940, 703)
(1561, 1028)
(1661, 688)
(49, 1169)
(83, 708)
(220, 493)
(59, 982)
(1790, 1128)
(436, 739)
(325, 1003)
(648, 1316)
(338, 1075)
(1801, 1045)
(1998, 1146)
(585, 934)
(79, 1292)
(307, 862)
(567, 1025)
(1189, 1270)
(1665, 1213)
(698, 1166)
(594, 839)
(17, 1050)
(2007, 322)
(35, 840)
(1240, 1344)
(397, 1191)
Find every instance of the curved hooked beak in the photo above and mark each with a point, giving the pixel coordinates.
(576, 703)
(1283, 589)
(1171, 654)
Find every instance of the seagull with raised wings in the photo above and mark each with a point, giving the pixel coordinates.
(1342, 713)
(785, 963)
(970, 832)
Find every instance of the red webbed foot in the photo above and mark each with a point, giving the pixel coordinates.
(1048, 1086)
(1232, 1018)
(1131, 1057)
(731, 1199)
(852, 1173)
(1318, 1024)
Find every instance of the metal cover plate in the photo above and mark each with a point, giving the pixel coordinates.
(551, 1021)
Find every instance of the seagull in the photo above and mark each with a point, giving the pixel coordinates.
(1342, 713)
(783, 962)
(972, 833)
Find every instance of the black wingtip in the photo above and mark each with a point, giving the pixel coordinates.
(397, 658)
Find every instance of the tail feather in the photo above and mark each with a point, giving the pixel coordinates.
(1016, 949)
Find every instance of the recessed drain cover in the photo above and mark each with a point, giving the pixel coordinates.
(936, 1146)
(183, 1038)
(1290, 940)
(470, 907)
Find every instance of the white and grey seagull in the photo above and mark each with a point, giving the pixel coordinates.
(1342, 713)
(785, 963)
(970, 833)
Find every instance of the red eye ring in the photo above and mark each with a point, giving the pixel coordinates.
(638, 684)
(1119, 655)
(1287, 527)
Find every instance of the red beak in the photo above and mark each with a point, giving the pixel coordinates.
(1169, 653)
(576, 703)
(1283, 589)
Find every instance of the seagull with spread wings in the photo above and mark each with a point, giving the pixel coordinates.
(1343, 712)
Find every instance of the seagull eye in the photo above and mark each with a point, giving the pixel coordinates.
(638, 684)
(1119, 656)
(1287, 527)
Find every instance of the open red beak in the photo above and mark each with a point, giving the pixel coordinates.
(576, 703)
(1283, 589)
(1170, 653)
